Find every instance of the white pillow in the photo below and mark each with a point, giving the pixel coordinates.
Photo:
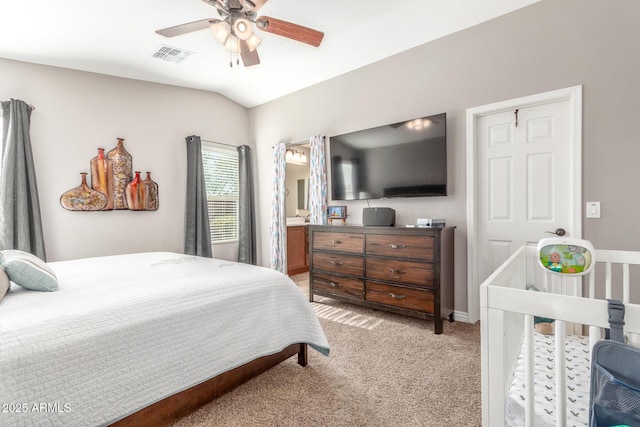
(5, 284)
(27, 270)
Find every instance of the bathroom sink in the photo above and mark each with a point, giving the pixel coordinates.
(296, 220)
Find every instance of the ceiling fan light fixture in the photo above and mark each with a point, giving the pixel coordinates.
(221, 31)
(253, 42)
(232, 44)
(242, 28)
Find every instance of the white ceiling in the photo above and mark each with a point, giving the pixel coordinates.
(117, 37)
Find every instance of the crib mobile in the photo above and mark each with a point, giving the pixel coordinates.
(566, 256)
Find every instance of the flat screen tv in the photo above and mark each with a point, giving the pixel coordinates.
(406, 159)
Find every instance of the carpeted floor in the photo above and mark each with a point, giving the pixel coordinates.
(383, 370)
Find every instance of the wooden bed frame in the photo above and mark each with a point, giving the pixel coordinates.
(174, 407)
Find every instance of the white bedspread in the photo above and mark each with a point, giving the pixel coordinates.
(126, 331)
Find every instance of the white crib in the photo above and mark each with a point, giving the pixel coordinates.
(507, 320)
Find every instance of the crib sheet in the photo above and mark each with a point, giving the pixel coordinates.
(578, 374)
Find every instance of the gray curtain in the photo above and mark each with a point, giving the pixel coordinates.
(246, 218)
(197, 232)
(20, 220)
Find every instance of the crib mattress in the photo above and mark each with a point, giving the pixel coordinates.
(578, 374)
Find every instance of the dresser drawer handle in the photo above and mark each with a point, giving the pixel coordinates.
(336, 242)
(395, 296)
(335, 285)
(335, 262)
(392, 246)
(394, 271)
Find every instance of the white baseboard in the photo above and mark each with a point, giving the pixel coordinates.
(461, 316)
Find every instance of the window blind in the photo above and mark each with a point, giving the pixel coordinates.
(221, 181)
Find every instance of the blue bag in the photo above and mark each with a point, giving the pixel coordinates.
(615, 377)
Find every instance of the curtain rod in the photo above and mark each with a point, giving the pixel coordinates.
(289, 144)
(221, 143)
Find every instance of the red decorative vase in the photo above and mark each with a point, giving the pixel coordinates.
(102, 177)
(122, 167)
(135, 193)
(151, 201)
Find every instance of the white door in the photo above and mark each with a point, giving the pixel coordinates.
(524, 167)
(527, 178)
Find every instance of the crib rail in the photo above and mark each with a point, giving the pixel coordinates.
(508, 310)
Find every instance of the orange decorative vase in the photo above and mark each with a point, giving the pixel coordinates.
(102, 177)
(151, 201)
(135, 193)
(83, 198)
(122, 167)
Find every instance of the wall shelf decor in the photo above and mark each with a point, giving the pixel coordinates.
(113, 185)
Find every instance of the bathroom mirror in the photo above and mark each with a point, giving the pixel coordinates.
(303, 193)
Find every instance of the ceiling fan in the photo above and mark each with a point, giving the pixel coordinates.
(235, 30)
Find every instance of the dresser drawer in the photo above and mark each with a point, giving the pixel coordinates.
(339, 263)
(398, 270)
(343, 242)
(343, 286)
(404, 246)
(397, 296)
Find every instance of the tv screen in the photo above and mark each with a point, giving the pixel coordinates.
(405, 159)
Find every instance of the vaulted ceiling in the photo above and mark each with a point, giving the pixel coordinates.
(117, 37)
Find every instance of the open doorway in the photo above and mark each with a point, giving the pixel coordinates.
(297, 208)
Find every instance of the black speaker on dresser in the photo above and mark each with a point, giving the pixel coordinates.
(379, 216)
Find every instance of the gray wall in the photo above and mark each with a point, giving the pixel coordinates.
(77, 112)
(550, 45)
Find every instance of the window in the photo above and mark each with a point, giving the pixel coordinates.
(221, 180)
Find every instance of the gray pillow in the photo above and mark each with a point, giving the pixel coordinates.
(27, 270)
(5, 284)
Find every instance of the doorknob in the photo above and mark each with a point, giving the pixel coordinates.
(559, 232)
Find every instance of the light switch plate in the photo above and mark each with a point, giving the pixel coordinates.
(593, 210)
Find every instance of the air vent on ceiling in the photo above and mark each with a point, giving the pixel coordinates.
(172, 54)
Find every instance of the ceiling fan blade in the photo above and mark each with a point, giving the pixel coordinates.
(290, 30)
(253, 4)
(249, 57)
(187, 28)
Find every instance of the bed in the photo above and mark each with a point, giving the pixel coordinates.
(142, 339)
(531, 379)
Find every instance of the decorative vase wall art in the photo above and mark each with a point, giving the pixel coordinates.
(151, 194)
(122, 173)
(83, 198)
(113, 186)
(136, 194)
(102, 177)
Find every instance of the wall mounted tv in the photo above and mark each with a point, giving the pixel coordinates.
(406, 159)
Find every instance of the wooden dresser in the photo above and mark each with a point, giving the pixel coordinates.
(403, 270)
